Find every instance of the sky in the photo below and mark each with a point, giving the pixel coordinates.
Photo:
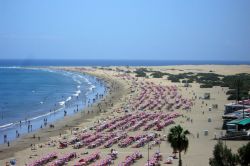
(125, 29)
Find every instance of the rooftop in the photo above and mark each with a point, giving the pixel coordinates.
(240, 121)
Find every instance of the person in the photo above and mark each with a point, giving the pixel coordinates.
(8, 143)
(5, 138)
(16, 133)
(13, 161)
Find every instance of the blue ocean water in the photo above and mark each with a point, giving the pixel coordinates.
(34, 62)
(32, 95)
(31, 92)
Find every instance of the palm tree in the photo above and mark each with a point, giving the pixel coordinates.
(178, 140)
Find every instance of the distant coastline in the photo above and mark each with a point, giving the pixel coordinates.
(82, 62)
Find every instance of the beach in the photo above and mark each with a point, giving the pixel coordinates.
(121, 106)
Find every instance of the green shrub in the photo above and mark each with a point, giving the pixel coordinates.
(206, 86)
(157, 74)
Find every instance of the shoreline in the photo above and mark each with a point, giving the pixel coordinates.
(52, 110)
(125, 96)
(66, 123)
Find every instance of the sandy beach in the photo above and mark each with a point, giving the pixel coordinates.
(122, 103)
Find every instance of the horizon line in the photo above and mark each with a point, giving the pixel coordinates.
(21, 59)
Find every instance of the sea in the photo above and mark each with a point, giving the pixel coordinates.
(99, 62)
(33, 98)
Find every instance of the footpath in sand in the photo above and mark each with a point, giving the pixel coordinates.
(134, 119)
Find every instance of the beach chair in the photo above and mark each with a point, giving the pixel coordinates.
(169, 160)
(62, 145)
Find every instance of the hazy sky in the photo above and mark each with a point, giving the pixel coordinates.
(125, 29)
